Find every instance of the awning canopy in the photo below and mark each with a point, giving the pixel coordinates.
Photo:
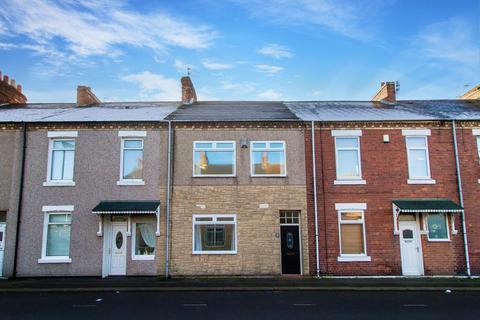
(125, 207)
(426, 205)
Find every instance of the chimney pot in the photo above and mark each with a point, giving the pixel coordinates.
(386, 93)
(189, 95)
(19, 88)
(5, 79)
(86, 97)
(13, 83)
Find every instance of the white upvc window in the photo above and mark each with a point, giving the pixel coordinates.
(144, 240)
(61, 158)
(214, 234)
(56, 234)
(268, 159)
(438, 227)
(351, 227)
(131, 162)
(347, 157)
(476, 133)
(418, 157)
(214, 159)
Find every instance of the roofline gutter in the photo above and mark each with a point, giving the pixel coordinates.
(460, 195)
(20, 198)
(315, 201)
(168, 208)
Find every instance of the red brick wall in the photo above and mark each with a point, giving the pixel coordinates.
(470, 170)
(385, 168)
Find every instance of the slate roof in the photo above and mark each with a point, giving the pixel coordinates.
(375, 111)
(103, 112)
(234, 111)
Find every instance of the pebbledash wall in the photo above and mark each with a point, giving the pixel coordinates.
(258, 227)
(385, 168)
(96, 172)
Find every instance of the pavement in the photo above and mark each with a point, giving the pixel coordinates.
(158, 284)
(234, 305)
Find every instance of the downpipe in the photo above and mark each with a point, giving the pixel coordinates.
(460, 195)
(167, 223)
(315, 201)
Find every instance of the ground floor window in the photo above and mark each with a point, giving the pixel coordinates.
(437, 225)
(352, 233)
(214, 234)
(57, 235)
(144, 241)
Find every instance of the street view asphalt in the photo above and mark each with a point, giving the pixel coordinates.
(232, 305)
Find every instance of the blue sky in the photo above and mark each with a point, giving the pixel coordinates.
(240, 50)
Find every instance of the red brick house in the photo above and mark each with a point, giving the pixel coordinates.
(387, 194)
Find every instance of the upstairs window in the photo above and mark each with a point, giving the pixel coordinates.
(61, 160)
(418, 161)
(214, 158)
(347, 150)
(132, 159)
(268, 158)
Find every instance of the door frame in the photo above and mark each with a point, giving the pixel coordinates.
(299, 242)
(4, 226)
(419, 244)
(107, 245)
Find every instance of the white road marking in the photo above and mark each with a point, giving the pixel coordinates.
(98, 300)
(194, 304)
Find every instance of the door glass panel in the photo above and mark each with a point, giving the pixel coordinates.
(407, 234)
(119, 240)
(289, 240)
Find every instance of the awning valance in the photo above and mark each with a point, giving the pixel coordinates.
(426, 205)
(126, 207)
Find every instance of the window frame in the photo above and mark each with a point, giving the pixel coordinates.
(214, 221)
(429, 173)
(122, 180)
(350, 256)
(48, 211)
(149, 257)
(51, 142)
(447, 226)
(337, 149)
(214, 148)
(268, 148)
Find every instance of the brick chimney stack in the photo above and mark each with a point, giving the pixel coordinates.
(10, 92)
(386, 93)
(86, 97)
(189, 95)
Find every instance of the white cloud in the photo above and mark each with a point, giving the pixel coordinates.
(212, 65)
(270, 94)
(182, 67)
(353, 19)
(317, 93)
(240, 87)
(276, 51)
(85, 28)
(453, 40)
(268, 69)
(155, 86)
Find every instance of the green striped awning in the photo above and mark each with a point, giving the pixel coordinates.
(124, 207)
(427, 205)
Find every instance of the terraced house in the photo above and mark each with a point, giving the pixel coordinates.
(381, 187)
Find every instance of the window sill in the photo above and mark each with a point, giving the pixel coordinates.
(421, 181)
(55, 260)
(215, 176)
(59, 184)
(349, 182)
(131, 183)
(143, 258)
(268, 175)
(354, 259)
(439, 240)
(214, 252)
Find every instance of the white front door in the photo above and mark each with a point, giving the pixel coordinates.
(410, 249)
(2, 246)
(118, 260)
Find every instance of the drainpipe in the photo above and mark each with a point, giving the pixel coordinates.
(315, 201)
(20, 198)
(167, 223)
(460, 195)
